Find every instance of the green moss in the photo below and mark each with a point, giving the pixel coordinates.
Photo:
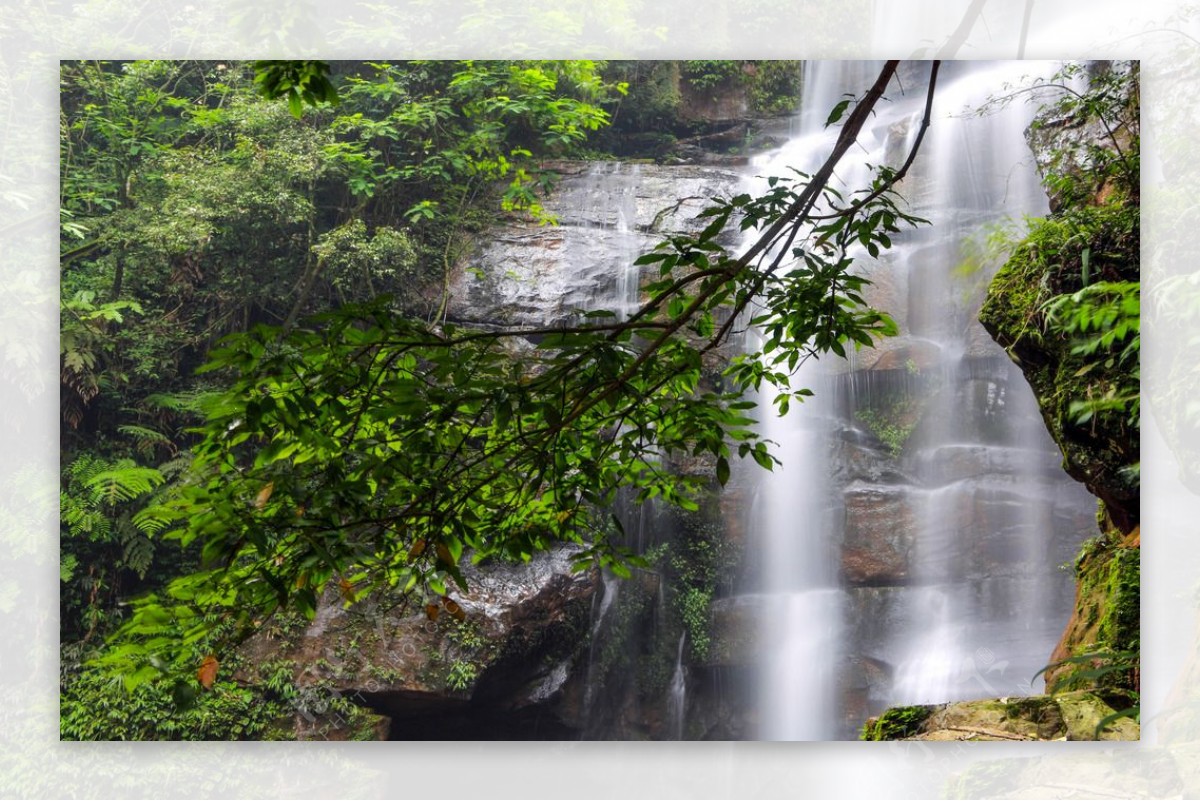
(896, 723)
(1048, 263)
(887, 428)
(1027, 708)
(1104, 638)
(1120, 623)
(892, 416)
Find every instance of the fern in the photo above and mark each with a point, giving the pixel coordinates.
(179, 401)
(146, 439)
(125, 481)
(153, 519)
(174, 467)
(66, 567)
(137, 550)
(83, 519)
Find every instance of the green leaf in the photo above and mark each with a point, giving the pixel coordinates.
(722, 470)
(837, 112)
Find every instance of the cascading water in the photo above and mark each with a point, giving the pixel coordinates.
(907, 548)
(677, 698)
(949, 539)
(611, 188)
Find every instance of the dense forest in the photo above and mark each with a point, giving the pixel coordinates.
(208, 199)
(267, 400)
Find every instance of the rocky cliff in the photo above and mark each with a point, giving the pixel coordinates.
(1088, 160)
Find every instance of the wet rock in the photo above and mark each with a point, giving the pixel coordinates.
(608, 214)
(880, 532)
(432, 674)
(736, 627)
(1069, 716)
(864, 684)
(915, 356)
(955, 462)
(1083, 712)
(859, 456)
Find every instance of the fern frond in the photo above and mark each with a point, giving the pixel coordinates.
(66, 568)
(153, 519)
(176, 466)
(138, 551)
(124, 482)
(147, 439)
(178, 401)
(143, 434)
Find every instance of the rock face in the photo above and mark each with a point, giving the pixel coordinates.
(493, 663)
(541, 651)
(608, 214)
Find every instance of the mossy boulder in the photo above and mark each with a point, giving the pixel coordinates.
(1068, 716)
(1105, 620)
(1088, 717)
(1048, 263)
(897, 723)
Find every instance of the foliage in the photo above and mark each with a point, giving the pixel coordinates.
(105, 534)
(1102, 320)
(697, 562)
(774, 87)
(96, 706)
(300, 82)
(87, 348)
(462, 675)
(709, 74)
(646, 118)
(441, 131)
(891, 431)
(366, 449)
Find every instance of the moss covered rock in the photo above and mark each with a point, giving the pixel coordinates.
(1047, 264)
(1069, 716)
(1105, 621)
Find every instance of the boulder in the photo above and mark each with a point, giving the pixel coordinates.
(1069, 716)
(487, 661)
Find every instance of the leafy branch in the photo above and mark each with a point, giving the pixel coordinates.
(369, 451)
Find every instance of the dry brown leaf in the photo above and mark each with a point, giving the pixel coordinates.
(454, 609)
(264, 495)
(207, 673)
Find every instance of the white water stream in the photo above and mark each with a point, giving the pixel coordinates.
(976, 605)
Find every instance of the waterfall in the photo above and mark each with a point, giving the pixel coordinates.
(677, 695)
(936, 564)
(907, 549)
(609, 239)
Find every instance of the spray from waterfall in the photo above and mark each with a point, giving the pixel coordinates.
(905, 536)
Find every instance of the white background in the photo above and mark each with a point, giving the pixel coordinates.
(35, 35)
